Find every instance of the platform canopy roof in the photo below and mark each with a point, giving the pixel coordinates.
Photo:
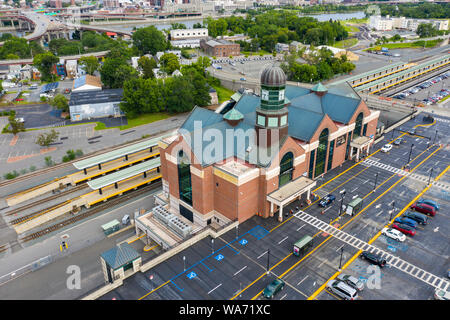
(124, 174)
(115, 154)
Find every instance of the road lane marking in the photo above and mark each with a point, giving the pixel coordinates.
(214, 288)
(239, 271)
(283, 239)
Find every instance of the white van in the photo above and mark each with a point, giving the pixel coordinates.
(126, 219)
(342, 290)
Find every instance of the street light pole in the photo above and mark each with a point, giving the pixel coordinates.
(340, 260)
(376, 178)
(393, 210)
(429, 178)
(342, 200)
(268, 260)
(184, 263)
(212, 245)
(435, 135)
(409, 157)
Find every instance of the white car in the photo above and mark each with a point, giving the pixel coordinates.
(441, 294)
(20, 120)
(386, 148)
(393, 234)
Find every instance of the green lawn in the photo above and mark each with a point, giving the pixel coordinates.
(264, 52)
(141, 120)
(349, 28)
(404, 45)
(223, 94)
(347, 43)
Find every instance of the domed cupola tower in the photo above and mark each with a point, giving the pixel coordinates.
(272, 114)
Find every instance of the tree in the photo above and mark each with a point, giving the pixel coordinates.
(44, 62)
(177, 25)
(115, 71)
(45, 139)
(197, 25)
(60, 102)
(149, 40)
(169, 62)
(425, 30)
(146, 66)
(90, 64)
(15, 126)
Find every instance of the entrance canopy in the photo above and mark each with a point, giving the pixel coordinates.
(360, 143)
(291, 191)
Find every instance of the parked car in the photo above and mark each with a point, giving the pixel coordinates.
(20, 120)
(327, 200)
(342, 290)
(351, 281)
(430, 202)
(399, 141)
(19, 99)
(243, 79)
(440, 294)
(404, 228)
(407, 221)
(273, 288)
(424, 208)
(419, 217)
(373, 258)
(393, 234)
(386, 148)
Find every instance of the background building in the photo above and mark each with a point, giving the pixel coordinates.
(88, 105)
(220, 48)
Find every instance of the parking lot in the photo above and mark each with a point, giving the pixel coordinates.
(247, 68)
(429, 92)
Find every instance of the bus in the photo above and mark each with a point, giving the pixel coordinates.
(303, 245)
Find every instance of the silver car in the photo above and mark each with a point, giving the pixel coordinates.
(342, 290)
(351, 281)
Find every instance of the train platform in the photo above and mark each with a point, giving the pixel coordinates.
(116, 185)
(93, 167)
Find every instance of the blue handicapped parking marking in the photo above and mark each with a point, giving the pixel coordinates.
(219, 257)
(243, 242)
(191, 275)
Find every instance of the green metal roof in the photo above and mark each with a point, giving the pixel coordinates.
(300, 243)
(369, 73)
(112, 155)
(319, 88)
(120, 256)
(124, 174)
(233, 115)
(399, 74)
(110, 224)
(236, 96)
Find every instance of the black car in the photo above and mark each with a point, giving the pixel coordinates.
(327, 200)
(373, 258)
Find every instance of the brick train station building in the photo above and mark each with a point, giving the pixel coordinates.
(265, 152)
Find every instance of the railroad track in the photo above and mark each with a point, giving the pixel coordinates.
(94, 210)
(55, 196)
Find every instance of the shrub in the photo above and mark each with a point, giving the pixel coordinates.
(48, 161)
(78, 152)
(32, 168)
(11, 175)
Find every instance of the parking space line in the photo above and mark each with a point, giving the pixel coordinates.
(283, 239)
(214, 288)
(239, 270)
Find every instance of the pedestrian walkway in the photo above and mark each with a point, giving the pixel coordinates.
(376, 163)
(393, 261)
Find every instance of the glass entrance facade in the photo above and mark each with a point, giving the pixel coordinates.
(184, 178)
(321, 153)
(286, 168)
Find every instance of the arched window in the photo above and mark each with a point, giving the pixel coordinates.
(358, 125)
(184, 178)
(286, 168)
(321, 153)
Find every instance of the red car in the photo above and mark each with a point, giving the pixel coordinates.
(424, 208)
(19, 99)
(404, 229)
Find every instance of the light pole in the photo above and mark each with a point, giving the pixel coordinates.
(376, 178)
(212, 245)
(184, 263)
(340, 260)
(410, 151)
(237, 231)
(268, 261)
(342, 192)
(391, 211)
(435, 135)
(429, 178)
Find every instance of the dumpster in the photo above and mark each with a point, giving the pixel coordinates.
(111, 227)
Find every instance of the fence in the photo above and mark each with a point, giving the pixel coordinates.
(33, 266)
